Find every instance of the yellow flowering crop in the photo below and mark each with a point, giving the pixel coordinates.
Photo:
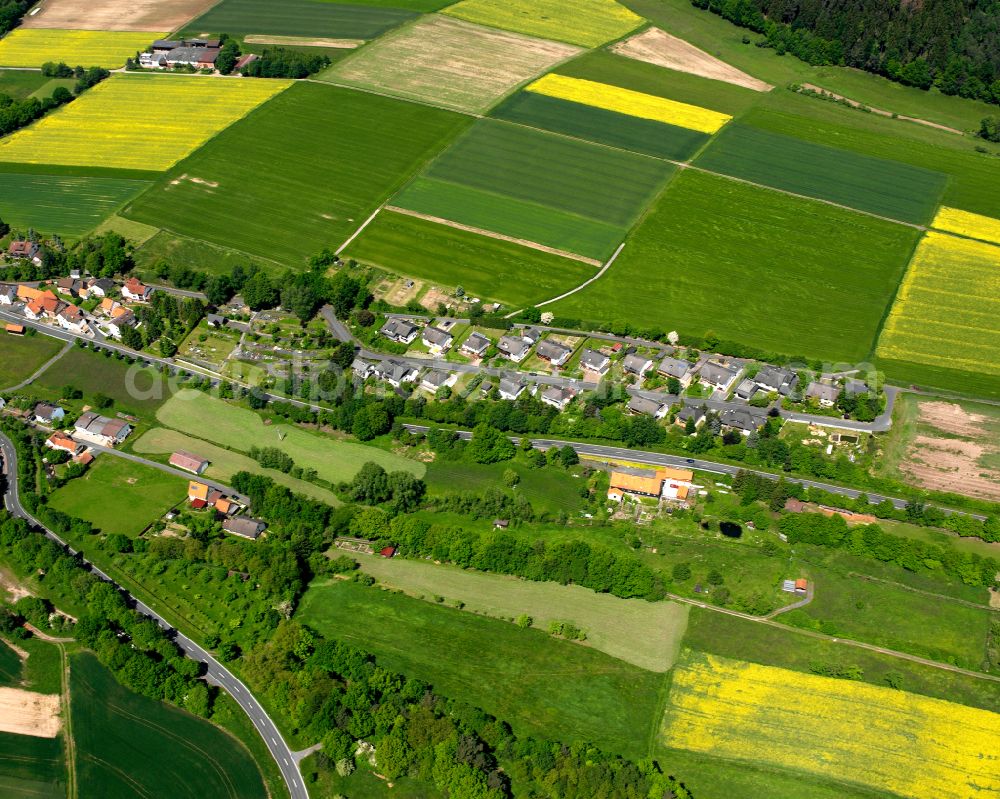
(966, 223)
(947, 310)
(32, 47)
(588, 23)
(138, 121)
(632, 103)
(910, 745)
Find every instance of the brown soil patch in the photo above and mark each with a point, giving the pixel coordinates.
(398, 294)
(995, 597)
(434, 297)
(947, 464)
(881, 112)
(951, 418)
(28, 713)
(655, 46)
(114, 15)
(304, 41)
(10, 588)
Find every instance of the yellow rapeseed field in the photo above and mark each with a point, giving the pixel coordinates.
(32, 47)
(588, 23)
(947, 310)
(966, 223)
(632, 103)
(911, 745)
(138, 121)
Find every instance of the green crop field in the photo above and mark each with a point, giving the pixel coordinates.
(876, 185)
(69, 206)
(217, 421)
(20, 84)
(224, 463)
(300, 175)
(542, 686)
(645, 136)
(10, 666)
(21, 357)
(756, 267)
(317, 18)
(128, 745)
(119, 496)
(31, 768)
(646, 634)
(199, 255)
(483, 266)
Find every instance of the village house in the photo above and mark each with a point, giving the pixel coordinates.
(511, 388)
(637, 364)
(14, 330)
(188, 462)
(395, 373)
(558, 398)
(854, 387)
(25, 251)
(514, 348)
(677, 483)
(641, 405)
(697, 414)
(402, 331)
(45, 413)
(475, 346)
(434, 380)
(362, 369)
(717, 376)
(244, 526)
(777, 380)
(531, 335)
(119, 323)
(436, 340)
(101, 287)
(107, 307)
(663, 482)
(243, 60)
(676, 368)
(552, 351)
(101, 430)
(8, 295)
(72, 319)
(69, 286)
(595, 362)
(824, 393)
(63, 443)
(746, 389)
(741, 420)
(135, 291)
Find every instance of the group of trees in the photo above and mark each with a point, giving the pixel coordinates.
(15, 114)
(102, 256)
(167, 319)
(400, 492)
(280, 62)
(11, 12)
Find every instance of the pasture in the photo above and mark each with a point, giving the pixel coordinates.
(744, 262)
(128, 745)
(598, 125)
(183, 251)
(645, 634)
(449, 63)
(313, 18)
(876, 185)
(32, 767)
(69, 206)
(964, 223)
(112, 15)
(947, 311)
(169, 117)
(629, 102)
(448, 256)
(224, 463)
(911, 746)
(234, 191)
(588, 23)
(230, 426)
(542, 686)
(20, 84)
(10, 666)
(22, 356)
(119, 496)
(32, 47)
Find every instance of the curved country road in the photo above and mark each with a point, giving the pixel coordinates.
(216, 673)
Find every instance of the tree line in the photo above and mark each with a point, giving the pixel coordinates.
(16, 114)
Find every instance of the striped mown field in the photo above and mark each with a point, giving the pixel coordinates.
(32, 47)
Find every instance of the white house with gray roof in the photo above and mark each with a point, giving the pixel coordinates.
(824, 393)
(511, 388)
(436, 379)
(552, 351)
(558, 397)
(717, 376)
(676, 368)
(395, 373)
(595, 362)
(649, 407)
(402, 331)
(514, 348)
(475, 345)
(777, 379)
(637, 364)
(742, 420)
(436, 340)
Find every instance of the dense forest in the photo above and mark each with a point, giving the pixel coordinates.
(951, 44)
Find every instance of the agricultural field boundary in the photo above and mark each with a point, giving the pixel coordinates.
(360, 230)
(583, 285)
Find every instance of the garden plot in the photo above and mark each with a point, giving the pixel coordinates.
(449, 62)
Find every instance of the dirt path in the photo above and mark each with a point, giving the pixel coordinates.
(880, 111)
(69, 741)
(795, 605)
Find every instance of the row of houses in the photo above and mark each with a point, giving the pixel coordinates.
(202, 496)
(90, 426)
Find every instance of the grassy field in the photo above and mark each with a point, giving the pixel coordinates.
(603, 127)
(119, 496)
(366, 147)
(169, 117)
(128, 745)
(314, 18)
(944, 315)
(875, 185)
(912, 746)
(646, 634)
(483, 266)
(20, 84)
(32, 768)
(10, 666)
(21, 357)
(217, 421)
(588, 23)
(449, 63)
(192, 253)
(224, 463)
(779, 273)
(32, 47)
(69, 206)
(542, 686)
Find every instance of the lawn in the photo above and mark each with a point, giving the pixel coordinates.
(32, 47)
(646, 634)
(449, 63)
(217, 421)
(876, 185)
(588, 23)
(195, 254)
(909, 745)
(541, 686)
(32, 768)
(22, 356)
(69, 206)
(338, 152)
(756, 267)
(128, 745)
(946, 313)
(224, 463)
(169, 117)
(313, 18)
(645, 136)
(119, 496)
(20, 84)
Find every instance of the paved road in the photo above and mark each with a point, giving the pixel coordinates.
(216, 673)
